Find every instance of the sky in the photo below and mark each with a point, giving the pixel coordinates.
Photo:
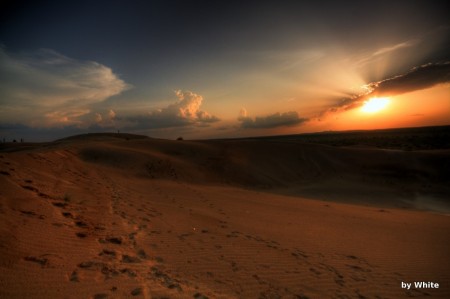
(218, 69)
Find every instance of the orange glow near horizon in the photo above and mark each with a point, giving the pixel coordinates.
(374, 105)
(425, 107)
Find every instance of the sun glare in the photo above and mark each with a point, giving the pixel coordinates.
(374, 105)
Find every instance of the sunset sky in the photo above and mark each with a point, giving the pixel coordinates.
(211, 69)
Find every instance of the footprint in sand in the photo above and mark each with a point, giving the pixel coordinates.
(59, 204)
(43, 195)
(35, 190)
(299, 254)
(113, 240)
(129, 272)
(165, 279)
(130, 259)
(42, 261)
(81, 235)
(136, 292)
(74, 277)
(358, 268)
(108, 253)
(142, 254)
(32, 214)
(67, 215)
(31, 188)
(81, 223)
(107, 270)
(200, 296)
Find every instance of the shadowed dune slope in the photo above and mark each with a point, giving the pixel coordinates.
(318, 171)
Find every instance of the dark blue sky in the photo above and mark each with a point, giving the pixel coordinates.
(219, 49)
(124, 34)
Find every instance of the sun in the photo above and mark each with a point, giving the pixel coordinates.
(374, 105)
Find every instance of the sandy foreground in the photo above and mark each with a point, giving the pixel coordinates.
(144, 218)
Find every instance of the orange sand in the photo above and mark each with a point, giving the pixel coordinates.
(104, 217)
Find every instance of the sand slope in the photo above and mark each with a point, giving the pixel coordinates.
(106, 217)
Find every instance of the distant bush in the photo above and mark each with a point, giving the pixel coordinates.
(180, 138)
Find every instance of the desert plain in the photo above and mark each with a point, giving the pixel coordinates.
(128, 216)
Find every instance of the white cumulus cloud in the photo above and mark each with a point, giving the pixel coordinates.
(184, 112)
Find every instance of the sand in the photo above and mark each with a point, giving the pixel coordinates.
(106, 217)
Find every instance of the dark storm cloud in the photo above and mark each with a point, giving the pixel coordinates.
(270, 121)
(421, 77)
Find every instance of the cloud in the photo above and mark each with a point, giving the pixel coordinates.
(398, 46)
(422, 77)
(98, 118)
(270, 121)
(111, 114)
(45, 88)
(184, 112)
(374, 56)
(105, 120)
(243, 114)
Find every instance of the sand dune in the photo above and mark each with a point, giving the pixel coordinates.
(124, 216)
